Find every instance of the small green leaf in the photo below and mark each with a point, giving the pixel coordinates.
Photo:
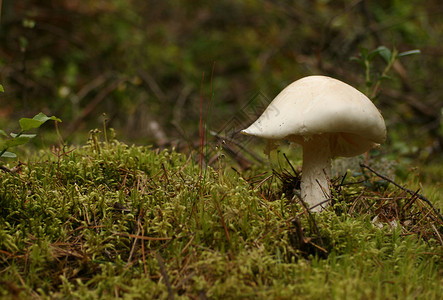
(28, 124)
(54, 118)
(384, 77)
(9, 154)
(36, 121)
(2, 89)
(358, 60)
(364, 53)
(3, 132)
(410, 52)
(373, 54)
(30, 136)
(17, 141)
(43, 118)
(384, 52)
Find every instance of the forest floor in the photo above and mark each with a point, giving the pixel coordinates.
(107, 220)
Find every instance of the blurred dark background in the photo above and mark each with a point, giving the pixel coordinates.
(149, 64)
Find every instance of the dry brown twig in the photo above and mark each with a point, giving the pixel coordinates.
(165, 275)
(414, 193)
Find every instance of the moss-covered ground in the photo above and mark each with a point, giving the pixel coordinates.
(108, 220)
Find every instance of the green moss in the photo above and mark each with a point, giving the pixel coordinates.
(112, 220)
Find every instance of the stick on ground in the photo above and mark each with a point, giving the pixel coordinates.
(420, 196)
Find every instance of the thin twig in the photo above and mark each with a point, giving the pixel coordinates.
(222, 219)
(312, 217)
(437, 233)
(135, 241)
(90, 86)
(200, 126)
(420, 196)
(152, 84)
(145, 238)
(236, 143)
(320, 203)
(165, 276)
(143, 251)
(89, 108)
(5, 169)
(292, 167)
(179, 104)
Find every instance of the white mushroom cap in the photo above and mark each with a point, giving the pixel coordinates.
(320, 105)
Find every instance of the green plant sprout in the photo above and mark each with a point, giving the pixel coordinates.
(366, 58)
(22, 137)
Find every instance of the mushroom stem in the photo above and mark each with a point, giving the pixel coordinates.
(316, 172)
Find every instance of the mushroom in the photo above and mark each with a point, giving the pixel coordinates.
(328, 118)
